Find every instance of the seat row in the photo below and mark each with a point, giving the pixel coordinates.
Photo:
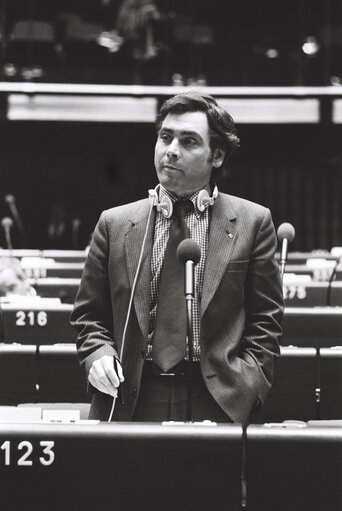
(46, 321)
(307, 384)
(188, 467)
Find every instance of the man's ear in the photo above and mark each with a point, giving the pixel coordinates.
(218, 157)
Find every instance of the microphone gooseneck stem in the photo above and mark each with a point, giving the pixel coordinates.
(16, 217)
(2, 324)
(189, 252)
(8, 239)
(189, 279)
(283, 256)
(282, 269)
(331, 280)
(189, 298)
(189, 302)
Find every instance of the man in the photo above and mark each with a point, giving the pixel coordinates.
(13, 281)
(238, 299)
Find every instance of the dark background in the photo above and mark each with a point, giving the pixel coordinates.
(225, 41)
(293, 169)
(90, 167)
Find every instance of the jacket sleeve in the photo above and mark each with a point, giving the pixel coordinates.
(264, 306)
(92, 313)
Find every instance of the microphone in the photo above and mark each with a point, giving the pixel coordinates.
(286, 233)
(332, 278)
(10, 199)
(189, 253)
(75, 229)
(7, 224)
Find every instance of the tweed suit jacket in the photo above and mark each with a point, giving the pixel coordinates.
(241, 307)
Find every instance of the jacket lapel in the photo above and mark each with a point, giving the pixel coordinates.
(222, 238)
(133, 245)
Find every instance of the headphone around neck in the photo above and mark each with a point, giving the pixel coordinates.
(204, 200)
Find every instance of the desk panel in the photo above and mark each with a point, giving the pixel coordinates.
(294, 257)
(331, 383)
(317, 273)
(122, 467)
(48, 323)
(62, 270)
(312, 294)
(294, 469)
(56, 287)
(31, 373)
(293, 393)
(61, 256)
(60, 375)
(312, 326)
(18, 374)
(65, 256)
(38, 322)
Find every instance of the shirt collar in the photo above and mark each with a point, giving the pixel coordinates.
(163, 192)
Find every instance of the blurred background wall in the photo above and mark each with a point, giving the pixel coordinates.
(74, 168)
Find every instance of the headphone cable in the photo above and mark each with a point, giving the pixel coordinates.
(136, 276)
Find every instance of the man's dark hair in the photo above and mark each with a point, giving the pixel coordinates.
(222, 130)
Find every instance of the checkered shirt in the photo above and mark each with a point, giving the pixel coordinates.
(197, 223)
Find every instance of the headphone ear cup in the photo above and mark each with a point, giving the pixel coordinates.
(215, 194)
(202, 200)
(166, 207)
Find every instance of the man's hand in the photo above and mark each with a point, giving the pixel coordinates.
(103, 376)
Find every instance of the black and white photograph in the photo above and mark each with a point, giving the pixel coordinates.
(170, 255)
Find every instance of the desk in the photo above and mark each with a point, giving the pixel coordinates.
(317, 273)
(30, 373)
(61, 256)
(62, 270)
(294, 469)
(331, 383)
(293, 394)
(312, 294)
(312, 326)
(135, 466)
(307, 381)
(18, 374)
(47, 322)
(38, 322)
(121, 467)
(302, 257)
(60, 376)
(65, 256)
(65, 289)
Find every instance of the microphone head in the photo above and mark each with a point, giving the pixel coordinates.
(7, 222)
(189, 250)
(9, 199)
(286, 231)
(76, 222)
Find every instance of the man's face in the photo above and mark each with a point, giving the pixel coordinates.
(12, 284)
(183, 158)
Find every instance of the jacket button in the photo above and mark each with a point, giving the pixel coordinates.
(134, 391)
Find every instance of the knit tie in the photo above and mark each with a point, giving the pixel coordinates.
(169, 339)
